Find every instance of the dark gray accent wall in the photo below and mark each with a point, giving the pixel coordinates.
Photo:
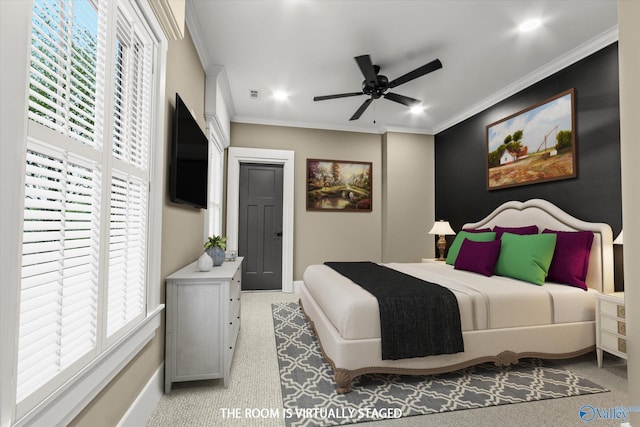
(594, 195)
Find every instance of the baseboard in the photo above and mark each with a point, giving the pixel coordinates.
(296, 286)
(141, 409)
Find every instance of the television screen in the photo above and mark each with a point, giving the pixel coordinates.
(189, 159)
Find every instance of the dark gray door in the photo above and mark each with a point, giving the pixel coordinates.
(260, 226)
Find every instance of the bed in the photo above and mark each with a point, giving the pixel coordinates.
(503, 319)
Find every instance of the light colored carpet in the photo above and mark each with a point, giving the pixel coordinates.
(255, 388)
(307, 383)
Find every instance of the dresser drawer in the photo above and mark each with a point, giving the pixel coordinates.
(613, 342)
(234, 311)
(612, 309)
(613, 325)
(237, 277)
(234, 291)
(233, 337)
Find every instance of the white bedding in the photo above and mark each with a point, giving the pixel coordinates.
(503, 319)
(485, 302)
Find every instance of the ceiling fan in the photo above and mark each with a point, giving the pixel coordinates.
(376, 85)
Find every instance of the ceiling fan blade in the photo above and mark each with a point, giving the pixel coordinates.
(363, 107)
(401, 99)
(418, 72)
(339, 95)
(369, 73)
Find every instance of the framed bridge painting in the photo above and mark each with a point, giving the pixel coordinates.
(537, 144)
(338, 185)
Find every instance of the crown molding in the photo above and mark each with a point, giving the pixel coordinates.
(205, 59)
(589, 47)
(170, 15)
(380, 129)
(225, 88)
(196, 35)
(405, 129)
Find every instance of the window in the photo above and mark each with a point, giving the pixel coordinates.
(87, 176)
(59, 289)
(216, 174)
(64, 68)
(130, 179)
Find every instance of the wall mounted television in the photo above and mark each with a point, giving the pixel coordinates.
(189, 164)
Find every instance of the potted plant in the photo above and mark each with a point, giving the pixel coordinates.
(215, 247)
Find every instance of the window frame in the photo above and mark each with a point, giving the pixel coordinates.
(215, 199)
(63, 405)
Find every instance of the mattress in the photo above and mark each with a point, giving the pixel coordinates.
(485, 302)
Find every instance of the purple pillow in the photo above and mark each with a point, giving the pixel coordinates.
(479, 257)
(570, 261)
(528, 229)
(477, 230)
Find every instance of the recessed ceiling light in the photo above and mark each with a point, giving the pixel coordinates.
(529, 25)
(280, 95)
(416, 109)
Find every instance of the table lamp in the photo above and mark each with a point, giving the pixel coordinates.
(441, 228)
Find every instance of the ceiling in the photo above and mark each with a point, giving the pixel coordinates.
(307, 48)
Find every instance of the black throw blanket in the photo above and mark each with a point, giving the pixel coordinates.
(417, 318)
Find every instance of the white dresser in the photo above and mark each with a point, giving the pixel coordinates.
(611, 325)
(202, 324)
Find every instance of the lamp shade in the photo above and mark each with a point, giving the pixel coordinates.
(618, 240)
(441, 228)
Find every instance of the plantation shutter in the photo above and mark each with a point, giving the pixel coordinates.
(58, 301)
(214, 198)
(84, 264)
(127, 251)
(132, 95)
(63, 89)
(129, 190)
(61, 244)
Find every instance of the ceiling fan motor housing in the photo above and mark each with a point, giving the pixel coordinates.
(375, 89)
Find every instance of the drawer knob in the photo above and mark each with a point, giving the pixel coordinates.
(621, 311)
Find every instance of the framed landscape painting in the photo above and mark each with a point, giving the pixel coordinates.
(534, 145)
(338, 185)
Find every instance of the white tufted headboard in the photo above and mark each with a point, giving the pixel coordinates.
(547, 215)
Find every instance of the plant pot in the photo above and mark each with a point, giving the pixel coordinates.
(217, 255)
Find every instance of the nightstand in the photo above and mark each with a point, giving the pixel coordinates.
(611, 326)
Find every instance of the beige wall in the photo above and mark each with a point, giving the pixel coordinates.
(324, 236)
(182, 226)
(408, 182)
(629, 58)
(182, 238)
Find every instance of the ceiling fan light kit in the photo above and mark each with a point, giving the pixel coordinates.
(376, 85)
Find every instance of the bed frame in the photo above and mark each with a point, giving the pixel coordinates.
(352, 358)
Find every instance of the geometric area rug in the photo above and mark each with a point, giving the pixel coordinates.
(309, 396)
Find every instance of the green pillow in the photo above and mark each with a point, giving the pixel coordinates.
(457, 243)
(526, 257)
